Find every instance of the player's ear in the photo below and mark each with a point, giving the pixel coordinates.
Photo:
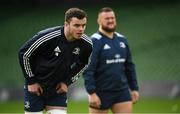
(98, 19)
(66, 23)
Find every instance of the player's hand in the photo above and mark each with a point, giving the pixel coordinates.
(35, 88)
(135, 96)
(62, 88)
(94, 101)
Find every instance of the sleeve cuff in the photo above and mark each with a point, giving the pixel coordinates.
(67, 82)
(134, 86)
(30, 81)
(91, 91)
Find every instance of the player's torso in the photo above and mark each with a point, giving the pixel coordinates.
(58, 58)
(113, 51)
(110, 73)
(52, 65)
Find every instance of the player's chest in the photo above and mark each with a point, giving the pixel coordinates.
(113, 49)
(72, 50)
(63, 51)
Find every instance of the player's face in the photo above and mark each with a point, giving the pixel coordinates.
(107, 21)
(76, 27)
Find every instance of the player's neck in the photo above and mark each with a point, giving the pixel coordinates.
(68, 36)
(108, 34)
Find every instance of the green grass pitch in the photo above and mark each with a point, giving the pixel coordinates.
(143, 106)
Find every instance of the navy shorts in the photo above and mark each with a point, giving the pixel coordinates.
(34, 103)
(109, 98)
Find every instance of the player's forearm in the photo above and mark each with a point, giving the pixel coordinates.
(26, 66)
(73, 73)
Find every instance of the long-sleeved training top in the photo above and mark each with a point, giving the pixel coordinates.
(48, 58)
(110, 67)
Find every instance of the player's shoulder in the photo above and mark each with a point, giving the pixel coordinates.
(119, 35)
(97, 39)
(85, 38)
(96, 36)
(51, 31)
(46, 35)
(121, 38)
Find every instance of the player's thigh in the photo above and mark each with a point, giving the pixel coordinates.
(97, 111)
(58, 101)
(123, 107)
(32, 102)
(57, 104)
(122, 102)
(106, 99)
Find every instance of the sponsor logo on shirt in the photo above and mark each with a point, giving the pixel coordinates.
(116, 60)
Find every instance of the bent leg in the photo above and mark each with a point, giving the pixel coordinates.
(57, 104)
(122, 107)
(33, 104)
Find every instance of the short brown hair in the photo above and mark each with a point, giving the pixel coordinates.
(75, 12)
(105, 9)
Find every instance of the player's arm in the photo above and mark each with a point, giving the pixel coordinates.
(88, 74)
(27, 54)
(131, 75)
(79, 66)
(90, 85)
(130, 70)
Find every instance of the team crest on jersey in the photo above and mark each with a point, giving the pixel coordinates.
(117, 56)
(57, 51)
(76, 51)
(27, 104)
(122, 45)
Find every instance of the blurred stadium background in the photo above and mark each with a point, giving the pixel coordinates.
(152, 28)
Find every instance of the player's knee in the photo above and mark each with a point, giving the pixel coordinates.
(41, 112)
(56, 111)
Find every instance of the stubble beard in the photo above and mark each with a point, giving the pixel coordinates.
(107, 29)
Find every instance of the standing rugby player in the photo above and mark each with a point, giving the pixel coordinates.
(110, 78)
